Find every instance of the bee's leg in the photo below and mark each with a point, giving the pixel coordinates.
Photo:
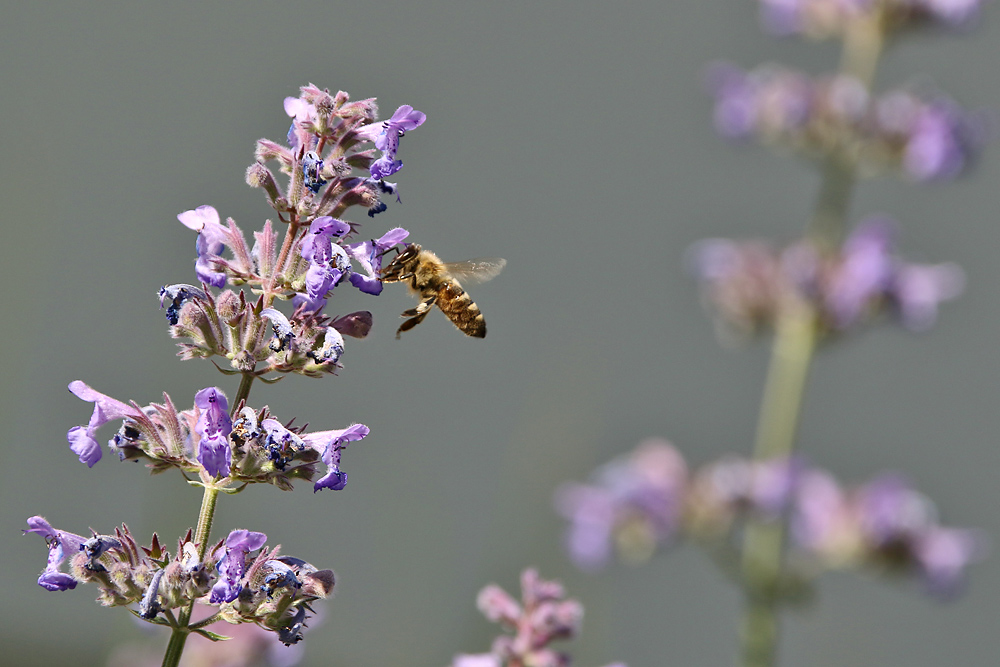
(422, 308)
(416, 315)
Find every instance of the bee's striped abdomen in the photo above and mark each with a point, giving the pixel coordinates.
(460, 309)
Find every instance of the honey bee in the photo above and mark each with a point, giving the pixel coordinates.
(436, 283)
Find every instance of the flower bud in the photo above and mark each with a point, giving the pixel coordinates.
(229, 307)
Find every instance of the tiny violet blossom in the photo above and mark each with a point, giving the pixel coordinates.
(214, 426)
(369, 255)
(81, 438)
(210, 244)
(61, 544)
(329, 444)
(303, 116)
(386, 136)
(232, 565)
(543, 616)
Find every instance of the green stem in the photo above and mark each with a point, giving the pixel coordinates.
(243, 392)
(791, 356)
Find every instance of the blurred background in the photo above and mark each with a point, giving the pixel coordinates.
(575, 140)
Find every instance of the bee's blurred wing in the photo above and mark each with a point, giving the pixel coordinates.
(477, 270)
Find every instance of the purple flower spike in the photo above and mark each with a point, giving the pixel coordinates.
(369, 255)
(60, 545)
(210, 243)
(329, 444)
(386, 137)
(233, 564)
(81, 438)
(214, 427)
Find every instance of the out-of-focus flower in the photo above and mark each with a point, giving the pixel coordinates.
(543, 616)
(748, 284)
(925, 136)
(634, 504)
(821, 19)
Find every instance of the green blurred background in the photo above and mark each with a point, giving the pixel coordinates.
(573, 139)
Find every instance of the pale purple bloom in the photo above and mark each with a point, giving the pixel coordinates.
(936, 147)
(178, 295)
(210, 244)
(283, 333)
(943, 554)
(890, 511)
(81, 438)
(920, 288)
(61, 544)
(544, 615)
(643, 492)
(328, 262)
(369, 255)
(329, 444)
(232, 565)
(735, 112)
(281, 444)
(864, 273)
(953, 12)
(386, 136)
(312, 172)
(213, 426)
(303, 116)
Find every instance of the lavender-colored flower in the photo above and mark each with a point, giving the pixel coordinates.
(214, 426)
(210, 244)
(303, 117)
(312, 172)
(281, 444)
(864, 272)
(543, 616)
(328, 262)
(232, 565)
(283, 333)
(891, 512)
(81, 438)
(635, 504)
(369, 255)
(178, 295)
(329, 444)
(386, 136)
(943, 554)
(61, 544)
(735, 114)
(937, 147)
(919, 289)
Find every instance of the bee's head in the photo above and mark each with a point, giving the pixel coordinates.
(397, 267)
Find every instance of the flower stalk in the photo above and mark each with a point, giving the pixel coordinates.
(794, 345)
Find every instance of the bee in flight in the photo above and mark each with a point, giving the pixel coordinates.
(436, 283)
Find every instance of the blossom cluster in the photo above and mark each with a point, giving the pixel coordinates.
(819, 19)
(329, 140)
(648, 499)
(925, 136)
(748, 284)
(544, 615)
(269, 590)
(204, 441)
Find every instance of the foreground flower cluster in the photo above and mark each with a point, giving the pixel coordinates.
(649, 499)
(336, 157)
(268, 589)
